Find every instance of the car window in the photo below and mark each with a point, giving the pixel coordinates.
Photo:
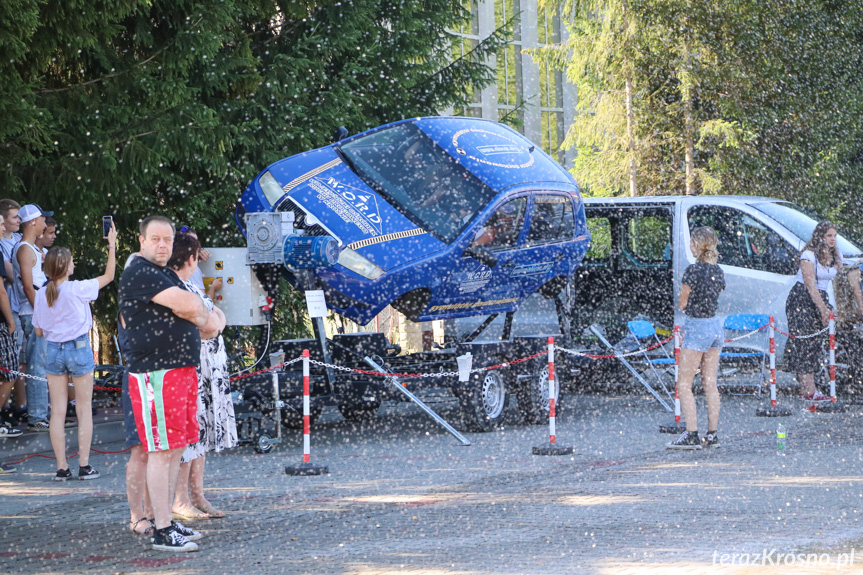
(600, 240)
(418, 178)
(552, 220)
(647, 240)
(502, 229)
(744, 241)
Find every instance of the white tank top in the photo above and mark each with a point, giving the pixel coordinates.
(39, 278)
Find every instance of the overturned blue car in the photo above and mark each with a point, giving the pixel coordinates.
(441, 217)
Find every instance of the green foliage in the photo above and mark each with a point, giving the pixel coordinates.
(775, 88)
(137, 107)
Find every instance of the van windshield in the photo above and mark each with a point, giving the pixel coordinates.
(418, 178)
(802, 223)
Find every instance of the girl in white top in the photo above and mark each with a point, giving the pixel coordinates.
(808, 310)
(62, 315)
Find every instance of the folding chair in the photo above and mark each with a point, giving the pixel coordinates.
(661, 364)
(598, 333)
(747, 350)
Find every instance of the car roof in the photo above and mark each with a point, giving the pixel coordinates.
(621, 200)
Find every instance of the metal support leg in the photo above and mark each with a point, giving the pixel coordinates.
(394, 383)
(634, 371)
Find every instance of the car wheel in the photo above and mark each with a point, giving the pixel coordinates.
(359, 412)
(482, 402)
(292, 419)
(413, 303)
(532, 396)
(262, 444)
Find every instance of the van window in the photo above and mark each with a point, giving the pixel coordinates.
(502, 229)
(648, 239)
(552, 220)
(744, 241)
(600, 240)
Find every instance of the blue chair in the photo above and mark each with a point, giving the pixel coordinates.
(746, 351)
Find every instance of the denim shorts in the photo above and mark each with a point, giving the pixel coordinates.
(702, 334)
(73, 358)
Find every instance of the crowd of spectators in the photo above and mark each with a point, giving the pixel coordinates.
(176, 391)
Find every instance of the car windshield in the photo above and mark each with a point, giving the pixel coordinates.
(802, 222)
(418, 178)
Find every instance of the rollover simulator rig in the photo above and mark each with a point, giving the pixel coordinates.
(441, 218)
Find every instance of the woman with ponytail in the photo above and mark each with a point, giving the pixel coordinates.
(702, 338)
(61, 314)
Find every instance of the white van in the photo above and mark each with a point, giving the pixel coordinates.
(640, 248)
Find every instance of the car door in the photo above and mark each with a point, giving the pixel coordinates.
(758, 263)
(473, 284)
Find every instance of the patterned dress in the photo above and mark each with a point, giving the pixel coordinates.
(218, 427)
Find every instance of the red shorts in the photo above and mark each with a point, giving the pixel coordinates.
(165, 404)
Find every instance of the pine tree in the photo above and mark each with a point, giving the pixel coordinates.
(132, 108)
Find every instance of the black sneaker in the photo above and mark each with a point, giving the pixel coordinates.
(169, 539)
(687, 440)
(710, 440)
(38, 426)
(9, 431)
(6, 468)
(63, 474)
(189, 534)
(87, 472)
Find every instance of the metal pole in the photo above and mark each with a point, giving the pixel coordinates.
(832, 332)
(772, 333)
(551, 384)
(307, 424)
(676, 374)
(394, 383)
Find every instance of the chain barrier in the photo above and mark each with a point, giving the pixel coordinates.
(265, 370)
(25, 375)
(617, 355)
(807, 336)
(639, 351)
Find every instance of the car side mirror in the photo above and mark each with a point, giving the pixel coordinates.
(482, 255)
(340, 134)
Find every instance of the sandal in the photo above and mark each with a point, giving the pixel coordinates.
(189, 513)
(133, 527)
(211, 511)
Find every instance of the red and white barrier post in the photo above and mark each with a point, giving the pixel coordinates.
(831, 330)
(306, 467)
(552, 448)
(551, 384)
(834, 406)
(771, 330)
(774, 410)
(676, 374)
(677, 427)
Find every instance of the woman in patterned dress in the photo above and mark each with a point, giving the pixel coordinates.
(218, 428)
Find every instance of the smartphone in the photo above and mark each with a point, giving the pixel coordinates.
(107, 221)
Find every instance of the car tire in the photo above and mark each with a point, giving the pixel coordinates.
(532, 396)
(360, 412)
(483, 402)
(294, 419)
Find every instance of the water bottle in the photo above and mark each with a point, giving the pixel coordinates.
(780, 437)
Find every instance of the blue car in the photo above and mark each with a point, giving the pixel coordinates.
(441, 217)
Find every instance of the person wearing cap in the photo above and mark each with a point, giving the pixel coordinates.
(29, 277)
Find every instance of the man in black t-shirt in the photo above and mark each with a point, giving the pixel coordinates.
(162, 323)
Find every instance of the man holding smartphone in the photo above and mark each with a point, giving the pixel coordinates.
(29, 277)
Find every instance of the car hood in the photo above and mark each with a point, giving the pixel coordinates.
(351, 211)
